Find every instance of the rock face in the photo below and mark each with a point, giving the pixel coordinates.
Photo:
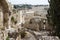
(4, 5)
(5, 10)
(32, 26)
(1, 35)
(48, 38)
(29, 36)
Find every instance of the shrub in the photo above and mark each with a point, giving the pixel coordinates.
(23, 34)
(7, 38)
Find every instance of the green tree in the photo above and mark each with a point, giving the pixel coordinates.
(12, 19)
(7, 38)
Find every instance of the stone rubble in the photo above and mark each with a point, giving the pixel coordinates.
(29, 36)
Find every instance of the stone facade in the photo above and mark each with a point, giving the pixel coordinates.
(28, 15)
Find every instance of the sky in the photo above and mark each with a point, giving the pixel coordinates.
(33, 2)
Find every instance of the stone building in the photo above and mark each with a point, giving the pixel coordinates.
(36, 13)
(28, 15)
(38, 17)
(24, 16)
(20, 16)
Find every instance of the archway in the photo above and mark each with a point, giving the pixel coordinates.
(5, 10)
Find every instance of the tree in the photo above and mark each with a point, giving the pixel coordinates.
(7, 38)
(23, 6)
(54, 15)
(12, 19)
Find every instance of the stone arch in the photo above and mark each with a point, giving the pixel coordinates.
(5, 10)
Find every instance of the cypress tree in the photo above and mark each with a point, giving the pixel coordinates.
(54, 15)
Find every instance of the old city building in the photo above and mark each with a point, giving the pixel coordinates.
(38, 18)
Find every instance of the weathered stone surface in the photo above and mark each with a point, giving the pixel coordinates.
(49, 38)
(5, 10)
(32, 26)
(29, 36)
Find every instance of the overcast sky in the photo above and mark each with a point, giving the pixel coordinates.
(33, 2)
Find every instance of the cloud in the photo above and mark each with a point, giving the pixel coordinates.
(34, 2)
